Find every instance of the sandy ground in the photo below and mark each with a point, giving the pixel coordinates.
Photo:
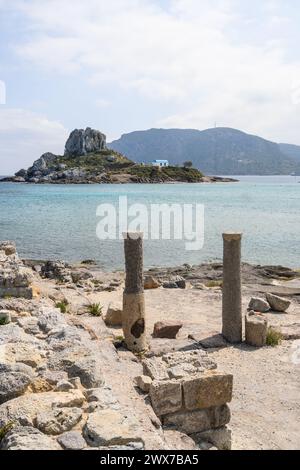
(266, 400)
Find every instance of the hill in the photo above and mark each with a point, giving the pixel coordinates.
(222, 151)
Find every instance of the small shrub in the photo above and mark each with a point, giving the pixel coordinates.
(63, 306)
(3, 321)
(5, 429)
(274, 337)
(95, 310)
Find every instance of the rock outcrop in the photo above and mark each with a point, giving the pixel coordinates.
(82, 142)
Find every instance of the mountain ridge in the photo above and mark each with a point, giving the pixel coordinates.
(218, 150)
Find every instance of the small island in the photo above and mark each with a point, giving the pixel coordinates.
(88, 160)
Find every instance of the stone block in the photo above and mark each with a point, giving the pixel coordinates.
(166, 396)
(143, 382)
(207, 390)
(155, 368)
(191, 422)
(256, 329)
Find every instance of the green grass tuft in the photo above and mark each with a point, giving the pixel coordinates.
(274, 337)
(95, 310)
(63, 306)
(5, 429)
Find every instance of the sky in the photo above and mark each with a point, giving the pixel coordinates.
(125, 65)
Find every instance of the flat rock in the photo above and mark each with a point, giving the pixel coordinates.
(166, 329)
(72, 440)
(57, 421)
(215, 341)
(290, 332)
(28, 438)
(109, 427)
(278, 304)
(24, 409)
(101, 399)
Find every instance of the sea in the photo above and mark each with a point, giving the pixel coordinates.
(60, 221)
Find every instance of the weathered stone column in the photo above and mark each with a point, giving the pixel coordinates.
(133, 318)
(232, 328)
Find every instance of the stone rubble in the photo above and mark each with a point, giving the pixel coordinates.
(54, 393)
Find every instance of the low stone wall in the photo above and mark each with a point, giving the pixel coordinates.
(189, 394)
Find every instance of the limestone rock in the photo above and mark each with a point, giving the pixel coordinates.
(109, 427)
(28, 354)
(49, 319)
(72, 440)
(58, 420)
(198, 358)
(8, 247)
(24, 409)
(155, 368)
(166, 396)
(256, 329)
(143, 382)
(177, 440)
(191, 422)
(101, 399)
(290, 332)
(82, 142)
(113, 315)
(28, 438)
(278, 304)
(259, 305)
(166, 329)
(89, 372)
(64, 386)
(207, 390)
(53, 376)
(14, 381)
(57, 270)
(151, 282)
(220, 438)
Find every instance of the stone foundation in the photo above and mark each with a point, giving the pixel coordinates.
(190, 395)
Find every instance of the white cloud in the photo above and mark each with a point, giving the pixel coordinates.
(24, 136)
(192, 56)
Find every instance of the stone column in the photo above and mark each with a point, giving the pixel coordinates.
(232, 328)
(133, 318)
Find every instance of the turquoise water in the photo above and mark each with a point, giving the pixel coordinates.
(59, 222)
